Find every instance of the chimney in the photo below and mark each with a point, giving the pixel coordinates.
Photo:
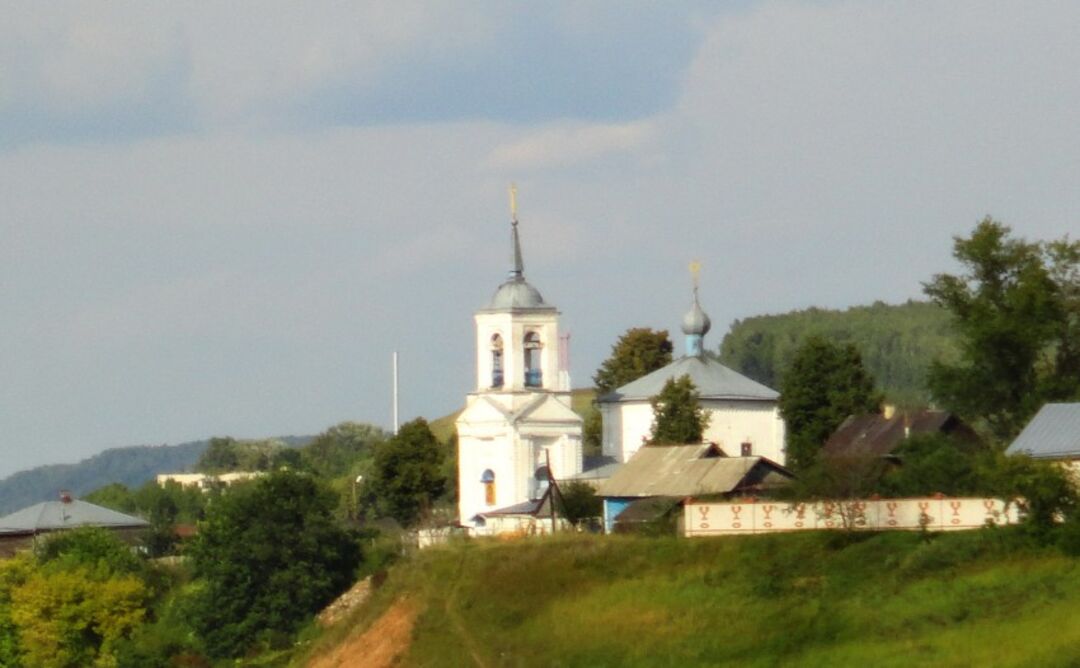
(65, 496)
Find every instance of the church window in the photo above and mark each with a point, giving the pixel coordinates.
(533, 374)
(747, 449)
(496, 361)
(541, 481)
(488, 480)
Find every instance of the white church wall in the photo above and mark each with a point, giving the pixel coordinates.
(513, 328)
(627, 426)
(475, 455)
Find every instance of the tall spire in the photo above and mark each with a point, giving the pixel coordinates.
(518, 272)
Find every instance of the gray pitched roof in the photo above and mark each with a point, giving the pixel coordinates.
(1054, 433)
(687, 470)
(52, 515)
(712, 379)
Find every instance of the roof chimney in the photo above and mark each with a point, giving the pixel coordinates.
(65, 496)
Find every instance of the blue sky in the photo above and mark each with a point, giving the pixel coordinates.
(222, 220)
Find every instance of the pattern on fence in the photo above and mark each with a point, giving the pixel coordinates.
(930, 513)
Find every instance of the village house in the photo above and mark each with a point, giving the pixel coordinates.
(21, 529)
(659, 478)
(880, 434)
(1053, 435)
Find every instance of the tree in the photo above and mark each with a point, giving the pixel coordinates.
(267, 557)
(335, 451)
(1017, 314)
(578, 501)
(637, 352)
(407, 475)
(936, 463)
(677, 414)
(825, 384)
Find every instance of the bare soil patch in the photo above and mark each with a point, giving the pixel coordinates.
(380, 646)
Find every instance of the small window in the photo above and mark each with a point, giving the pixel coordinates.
(541, 481)
(747, 449)
(487, 479)
(496, 361)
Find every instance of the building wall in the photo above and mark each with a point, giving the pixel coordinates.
(628, 424)
(512, 327)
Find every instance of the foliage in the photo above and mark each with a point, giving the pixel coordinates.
(896, 342)
(592, 430)
(677, 414)
(637, 352)
(227, 454)
(1017, 315)
(888, 599)
(72, 603)
(578, 501)
(337, 450)
(1045, 489)
(407, 474)
(267, 557)
(842, 478)
(164, 506)
(825, 384)
(935, 463)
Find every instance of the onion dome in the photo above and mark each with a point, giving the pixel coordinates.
(696, 322)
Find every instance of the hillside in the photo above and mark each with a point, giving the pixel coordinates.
(900, 599)
(897, 343)
(130, 466)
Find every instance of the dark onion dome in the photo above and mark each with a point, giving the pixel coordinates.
(696, 322)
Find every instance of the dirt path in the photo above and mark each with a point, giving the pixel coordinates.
(381, 646)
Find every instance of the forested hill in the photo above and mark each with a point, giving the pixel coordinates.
(897, 343)
(131, 466)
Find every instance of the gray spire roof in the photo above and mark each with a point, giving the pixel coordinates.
(52, 515)
(515, 294)
(712, 379)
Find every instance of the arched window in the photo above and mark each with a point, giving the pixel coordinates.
(487, 479)
(541, 481)
(533, 374)
(496, 361)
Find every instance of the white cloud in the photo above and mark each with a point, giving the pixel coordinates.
(566, 144)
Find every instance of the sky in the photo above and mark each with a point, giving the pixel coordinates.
(222, 219)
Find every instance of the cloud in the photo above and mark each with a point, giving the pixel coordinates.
(565, 145)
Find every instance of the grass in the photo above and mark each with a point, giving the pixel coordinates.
(898, 599)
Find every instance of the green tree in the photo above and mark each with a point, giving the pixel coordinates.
(936, 463)
(677, 414)
(637, 352)
(1017, 313)
(578, 501)
(407, 474)
(825, 384)
(267, 557)
(336, 451)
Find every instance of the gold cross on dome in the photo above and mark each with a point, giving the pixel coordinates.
(695, 271)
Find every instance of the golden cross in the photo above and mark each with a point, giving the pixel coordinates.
(695, 271)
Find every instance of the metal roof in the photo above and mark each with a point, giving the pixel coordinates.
(712, 379)
(517, 295)
(52, 515)
(1054, 433)
(686, 470)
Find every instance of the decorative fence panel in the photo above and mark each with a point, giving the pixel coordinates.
(702, 518)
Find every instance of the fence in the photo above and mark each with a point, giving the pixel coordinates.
(931, 513)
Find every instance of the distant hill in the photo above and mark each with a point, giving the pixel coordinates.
(897, 343)
(131, 466)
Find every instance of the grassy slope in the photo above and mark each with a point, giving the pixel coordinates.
(981, 598)
(443, 427)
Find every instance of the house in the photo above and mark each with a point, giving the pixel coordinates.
(1053, 434)
(879, 434)
(206, 481)
(744, 415)
(21, 529)
(673, 473)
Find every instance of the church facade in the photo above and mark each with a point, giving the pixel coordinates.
(517, 422)
(744, 415)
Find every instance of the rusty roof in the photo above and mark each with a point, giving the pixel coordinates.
(874, 434)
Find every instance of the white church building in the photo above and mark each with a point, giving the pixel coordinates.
(744, 416)
(518, 419)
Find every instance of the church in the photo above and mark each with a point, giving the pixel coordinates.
(518, 431)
